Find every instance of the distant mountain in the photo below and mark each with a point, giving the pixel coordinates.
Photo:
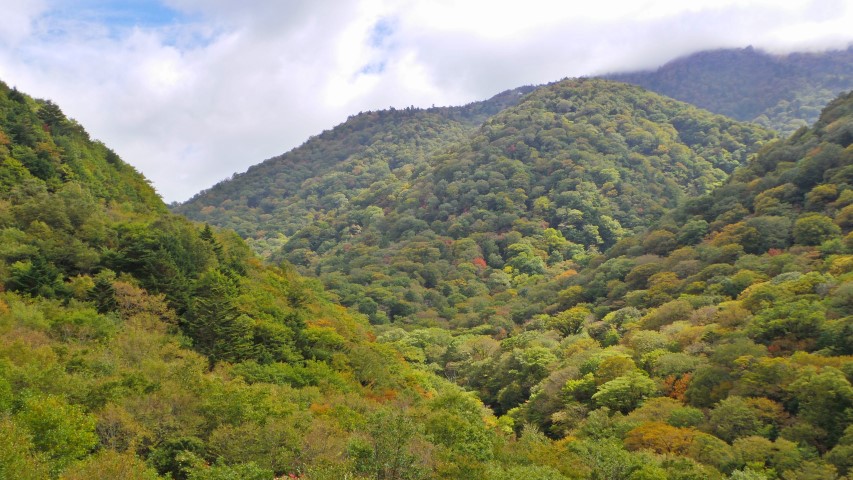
(782, 92)
(434, 217)
(279, 195)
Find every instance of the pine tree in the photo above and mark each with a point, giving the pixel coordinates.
(214, 323)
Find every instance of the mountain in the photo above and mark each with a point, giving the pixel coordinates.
(718, 343)
(737, 301)
(432, 232)
(135, 344)
(711, 340)
(782, 92)
(270, 198)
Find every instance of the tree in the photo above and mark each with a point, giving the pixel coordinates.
(386, 454)
(37, 277)
(825, 400)
(625, 393)
(524, 258)
(660, 438)
(221, 471)
(660, 242)
(692, 232)
(710, 450)
(217, 327)
(842, 454)
(571, 321)
(18, 458)
(811, 471)
(102, 293)
(814, 229)
(734, 418)
(110, 465)
(795, 321)
(63, 432)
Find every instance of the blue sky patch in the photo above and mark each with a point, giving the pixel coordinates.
(383, 29)
(116, 14)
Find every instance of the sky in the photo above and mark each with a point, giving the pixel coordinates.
(191, 91)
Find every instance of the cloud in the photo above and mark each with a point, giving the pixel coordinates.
(191, 91)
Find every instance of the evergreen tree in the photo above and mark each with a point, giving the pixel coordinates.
(214, 323)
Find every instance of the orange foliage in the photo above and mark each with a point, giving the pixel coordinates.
(383, 396)
(675, 387)
(568, 273)
(479, 262)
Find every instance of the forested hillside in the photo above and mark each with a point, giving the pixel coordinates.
(586, 281)
(459, 236)
(283, 194)
(135, 344)
(782, 92)
(719, 342)
(712, 339)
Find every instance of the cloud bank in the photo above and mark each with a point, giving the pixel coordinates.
(191, 91)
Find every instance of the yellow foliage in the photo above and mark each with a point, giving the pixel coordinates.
(660, 438)
(841, 265)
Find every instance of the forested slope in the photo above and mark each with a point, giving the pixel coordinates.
(719, 342)
(713, 337)
(283, 194)
(782, 92)
(459, 235)
(135, 344)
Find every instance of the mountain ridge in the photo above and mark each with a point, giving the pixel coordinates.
(783, 92)
(587, 160)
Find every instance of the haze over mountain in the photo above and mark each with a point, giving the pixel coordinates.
(782, 92)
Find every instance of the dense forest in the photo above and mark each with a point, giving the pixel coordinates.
(711, 339)
(781, 92)
(461, 235)
(138, 345)
(583, 280)
(274, 204)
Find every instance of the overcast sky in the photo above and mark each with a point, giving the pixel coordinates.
(191, 91)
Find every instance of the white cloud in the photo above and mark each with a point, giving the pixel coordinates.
(17, 19)
(229, 84)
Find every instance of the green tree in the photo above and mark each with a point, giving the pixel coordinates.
(110, 465)
(37, 277)
(386, 454)
(733, 418)
(63, 432)
(814, 229)
(214, 323)
(18, 458)
(571, 321)
(625, 393)
(825, 400)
